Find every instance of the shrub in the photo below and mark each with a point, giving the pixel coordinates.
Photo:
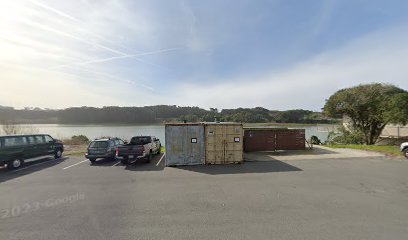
(315, 140)
(77, 140)
(345, 136)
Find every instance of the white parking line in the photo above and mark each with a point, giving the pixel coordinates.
(116, 164)
(74, 164)
(160, 159)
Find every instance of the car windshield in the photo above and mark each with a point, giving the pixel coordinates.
(98, 144)
(139, 140)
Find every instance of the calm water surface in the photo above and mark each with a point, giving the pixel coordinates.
(61, 131)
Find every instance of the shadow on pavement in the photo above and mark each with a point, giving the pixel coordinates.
(102, 163)
(314, 151)
(270, 156)
(29, 168)
(142, 166)
(248, 167)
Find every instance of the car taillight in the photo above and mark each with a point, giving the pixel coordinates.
(117, 151)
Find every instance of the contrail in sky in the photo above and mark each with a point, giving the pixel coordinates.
(118, 57)
(128, 56)
(63, 14)
(54, 10)
(47, 28)
(117, 78)
(70, 17)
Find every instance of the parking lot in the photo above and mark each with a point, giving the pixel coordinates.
(320, 194)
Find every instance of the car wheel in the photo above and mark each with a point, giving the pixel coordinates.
(149, 158)
(16, 163)
(406, 153)
(159, 151)
(92, 160)
(58, 154)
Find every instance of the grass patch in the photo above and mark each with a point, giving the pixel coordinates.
(74, 153)
(75, 150)
(388, 150)
(283, 124)
(76, 140)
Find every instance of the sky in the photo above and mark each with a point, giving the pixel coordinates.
(277, 54)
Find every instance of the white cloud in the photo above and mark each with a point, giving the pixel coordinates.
(377, 57)
(72, 53)
(37, 38)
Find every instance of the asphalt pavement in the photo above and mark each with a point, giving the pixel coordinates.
(335, 198)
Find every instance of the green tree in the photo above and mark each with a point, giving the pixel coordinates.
(370, 107)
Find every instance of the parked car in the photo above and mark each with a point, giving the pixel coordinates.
(404, 149)
(103, 148)
(15, 150)
(141, 147)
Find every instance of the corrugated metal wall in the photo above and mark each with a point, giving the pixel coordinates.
(271, 139)
(185, 144)
(224, 143)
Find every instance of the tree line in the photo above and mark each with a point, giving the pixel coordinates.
(157, 114)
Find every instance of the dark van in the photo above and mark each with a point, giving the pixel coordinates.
(17, 149)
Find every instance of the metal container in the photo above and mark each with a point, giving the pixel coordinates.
(185, 144)
(291, 139)
(272, 139)
(224, 143)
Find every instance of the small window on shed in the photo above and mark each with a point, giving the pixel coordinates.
(193, 140)
(237, 139)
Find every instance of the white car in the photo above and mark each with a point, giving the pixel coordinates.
(404, 149)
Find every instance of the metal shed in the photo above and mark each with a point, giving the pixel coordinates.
(185, 144)
(224, 143)
(272, 139)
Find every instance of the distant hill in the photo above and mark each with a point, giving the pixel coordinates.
(157, 114)
(4, 107)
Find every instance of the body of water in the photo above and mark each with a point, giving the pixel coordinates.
(63, 131)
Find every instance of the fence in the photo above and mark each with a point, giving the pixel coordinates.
(391, 131)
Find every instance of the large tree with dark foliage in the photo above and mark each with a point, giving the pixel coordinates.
(370, 107)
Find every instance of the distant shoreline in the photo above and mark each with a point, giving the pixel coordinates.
(162, 124)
